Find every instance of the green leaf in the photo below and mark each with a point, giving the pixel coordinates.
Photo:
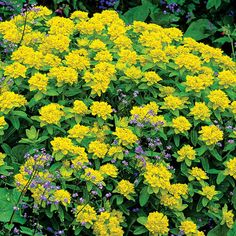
(216, 154)
(142, 220)
(234, 199)
(220, 177)
(177, 140)
(139, 230)
(139, 13)
(15, 122)
(194, 137)
(143, 197)
(219, 230)
(200, 29)
(213, 3)
(119, 200)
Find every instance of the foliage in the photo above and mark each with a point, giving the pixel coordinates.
(114, 129)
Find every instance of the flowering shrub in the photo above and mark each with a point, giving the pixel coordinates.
(109, 129)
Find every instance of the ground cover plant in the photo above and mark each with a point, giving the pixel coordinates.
(114, 129)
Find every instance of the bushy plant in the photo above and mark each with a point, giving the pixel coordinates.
(114, 129)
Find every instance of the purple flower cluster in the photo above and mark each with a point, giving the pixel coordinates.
(105, 4)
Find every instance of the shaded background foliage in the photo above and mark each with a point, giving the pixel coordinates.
(210, 21)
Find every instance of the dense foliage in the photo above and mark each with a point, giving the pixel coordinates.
(114, 129)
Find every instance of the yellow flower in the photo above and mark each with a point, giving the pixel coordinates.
(125, 136)
(172, 102)
(2, 156)
(109, 170)
(93, 175)
(208, 191)
(60, 25)
(97, 44)
(98, 149)
(2, 122)
(188, 61)
(227, 78)
(219, 99)
(51, 114)
(78, 131)
(101, 109)
(85, 214)
(133, 73)
(166, 91)
(157, 223)
(157, 176)
(211, 134)
(15, 70)
(194, 83)
(63, 145)
(11, 100)
(200, 111)
(188, 227)
(62, 196)
(80, 108)
(151, 77)
(181, 124)
(186, 152)
(227, 217)
(231, 167)
(125, 188)
(63, 75)
(198, 174)
(77, 60)
(233, 107)
(38, 82)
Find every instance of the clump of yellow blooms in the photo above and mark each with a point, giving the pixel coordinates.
(157, 223)
(198, 174)
(109, 170)
(98, 149)
(125, 136)
(181, 124)
(208, 191)
(200, 111)
(92, 175)
(63, 145)
(227, 217)
(231, 167)
(219, 99)
(211, 134)
(157, 176)
(108, 223)
(38, 82)
(188, 227)
(78, 131)
(11, 100)
(2, 156)
(3, 123)
(186, 152)
(85, 214)
(80, 107)
(101, 109)
(62, 196)
(125, 188)
(227, 78)
(173, 102)
(15, 70)
(63, 75)
(51, 114)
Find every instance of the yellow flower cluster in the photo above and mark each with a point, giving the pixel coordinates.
(98, 149)
(198, 174)
(51, 114)
(101, 109)
(15, 70)
(2, 156)
(63, 145)
(200, 111)
(125, 188)
(38, 82)
(188, 227)
(109, 170)
(3, 123)
(231, 167)
(208, 191)
(11, 100)
(92, 175)
(157, 223)
(80, 108)
(85, 214)
(78, 131)
(108, 223)
(181, 124)
(211, 134)
(173, 102)
(157, 176)
(62, 196)
(227, 78)
(126, 136)
(219, 100)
